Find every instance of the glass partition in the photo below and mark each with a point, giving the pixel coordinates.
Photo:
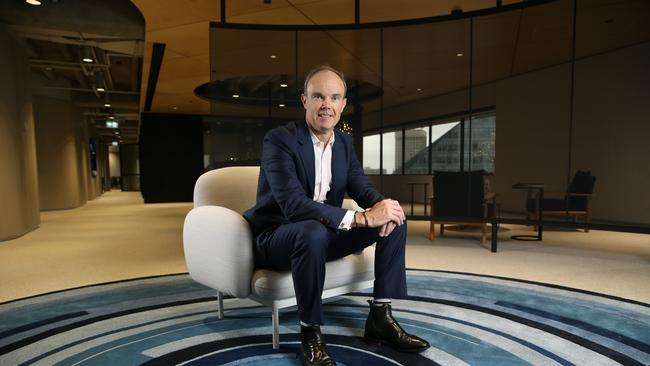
(513, 91)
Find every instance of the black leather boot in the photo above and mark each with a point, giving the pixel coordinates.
(382, 328)
(313, 350)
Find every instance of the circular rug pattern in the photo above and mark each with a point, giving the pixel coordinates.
(468, 319)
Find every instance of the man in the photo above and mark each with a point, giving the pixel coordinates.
(307, 167)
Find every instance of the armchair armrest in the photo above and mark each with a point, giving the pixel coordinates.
(218, 246)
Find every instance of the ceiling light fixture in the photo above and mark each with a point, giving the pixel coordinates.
(281, 105)
(174, 107)
(283, 85)
(419, 89)
(459, 54)
(235, 95)
(100, 89)
(87, 55)
(115, 143)
(33, 2)
(273, 56)
(107, 105)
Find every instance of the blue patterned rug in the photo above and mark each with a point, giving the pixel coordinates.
(468, 319)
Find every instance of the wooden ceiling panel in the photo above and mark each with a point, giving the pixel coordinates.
(328, 12)
(185, 67)
(188, 40)
(386, 10)
(273, 15)
(170, 14)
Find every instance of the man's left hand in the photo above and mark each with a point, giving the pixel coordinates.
(387, 228)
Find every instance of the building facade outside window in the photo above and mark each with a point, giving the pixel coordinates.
(423, 149)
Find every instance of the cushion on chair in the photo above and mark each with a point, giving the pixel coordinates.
(276, 285)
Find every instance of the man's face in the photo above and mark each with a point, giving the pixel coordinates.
(324, 101)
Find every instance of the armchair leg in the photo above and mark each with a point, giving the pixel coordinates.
(442, 229)
(483, 233)
(220, 301)
(276, 326)
(432, 231)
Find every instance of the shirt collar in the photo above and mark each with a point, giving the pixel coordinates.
(316, 141)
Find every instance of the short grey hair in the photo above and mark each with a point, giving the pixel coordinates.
(320, 68)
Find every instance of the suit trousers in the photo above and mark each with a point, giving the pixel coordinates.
(304, 247)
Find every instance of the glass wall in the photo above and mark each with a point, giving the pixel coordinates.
(424, 96)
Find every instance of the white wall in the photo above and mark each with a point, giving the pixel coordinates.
(18, 171)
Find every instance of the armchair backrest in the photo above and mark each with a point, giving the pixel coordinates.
(458, 194)
(232, 187)
(582, 182)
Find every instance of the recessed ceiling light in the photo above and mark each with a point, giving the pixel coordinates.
(100, 89)
(273, 56)
(235, 95)
(281, 105)
(115, 143)
(283, 85)
(459, 54)
(419, 89)
(117, 133)
(33, 2)
(107, 105)
(174, 107)
(111, 117)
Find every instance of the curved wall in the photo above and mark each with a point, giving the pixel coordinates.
(18, 179)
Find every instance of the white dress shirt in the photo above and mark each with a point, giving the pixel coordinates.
(323, 178)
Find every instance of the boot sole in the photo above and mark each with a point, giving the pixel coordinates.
(378, 343)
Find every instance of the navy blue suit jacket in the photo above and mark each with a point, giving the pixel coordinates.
(285, 188)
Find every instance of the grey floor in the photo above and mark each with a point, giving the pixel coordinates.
(117, 236)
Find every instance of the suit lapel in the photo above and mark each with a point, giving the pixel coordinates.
(306, 153)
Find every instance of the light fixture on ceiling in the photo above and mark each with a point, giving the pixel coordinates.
(115, 143)
(235, 95)
(33, 2)
(174, 107)
(112, 124)
(87, 55)
(99, 81)
(283, 81)
(273, 56)
(459, 54)
(281, 105)
(107, 105)
(419, 89)
(117, 132)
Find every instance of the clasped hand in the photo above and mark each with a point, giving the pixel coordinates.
(385, 215)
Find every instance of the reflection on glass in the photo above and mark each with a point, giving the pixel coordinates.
(392, 152)
(416, 151)
(483, 134)
(371, 154)
(445, 147)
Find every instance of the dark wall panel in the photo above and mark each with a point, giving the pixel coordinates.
(171, 156)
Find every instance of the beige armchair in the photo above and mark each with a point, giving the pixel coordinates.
(219, 253)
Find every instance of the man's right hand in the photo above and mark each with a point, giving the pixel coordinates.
(384, 212)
